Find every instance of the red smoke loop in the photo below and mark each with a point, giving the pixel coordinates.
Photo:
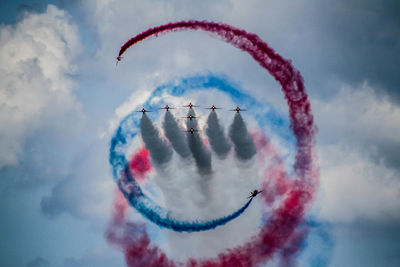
(281, 232)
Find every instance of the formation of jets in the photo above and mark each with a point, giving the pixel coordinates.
(190, 117)
(192, 130)
(190, 106)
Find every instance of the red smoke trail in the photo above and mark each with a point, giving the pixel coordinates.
(140, 164)
(302, 122)
(132, 239)
(280, 232)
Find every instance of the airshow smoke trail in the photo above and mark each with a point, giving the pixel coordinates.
(135, 242)
(165, 219)
(159, 150)
(298, 192)
(200, 154)
(140, 164)
(216, 136)
(244, 145)
(302, 121)
(145, 205)
(133, 239)
(175, 135)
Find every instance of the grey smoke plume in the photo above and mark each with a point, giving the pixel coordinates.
(159, 150)
(216, 136)
(244, 145)
(175, 135)
(201, 156)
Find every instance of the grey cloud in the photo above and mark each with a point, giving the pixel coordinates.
(99, 257)
(86, 190)
(367, 40)
(60, 198)
(366, 244)
(38, 262)
(347, 41)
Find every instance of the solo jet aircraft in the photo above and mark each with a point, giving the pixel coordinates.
(254, 193)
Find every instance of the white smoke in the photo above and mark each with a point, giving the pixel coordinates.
(205, 186)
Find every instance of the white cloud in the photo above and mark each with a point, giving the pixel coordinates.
(356, 181)
(36, 58)
(353, 125)
(358, 115)
(355, 188)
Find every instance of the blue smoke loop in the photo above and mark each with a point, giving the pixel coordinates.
(128, 129)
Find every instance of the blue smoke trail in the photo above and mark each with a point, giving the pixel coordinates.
(165, 219)
(128, 129)
(317, 249)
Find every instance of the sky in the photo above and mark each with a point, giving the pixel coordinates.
(62, 97)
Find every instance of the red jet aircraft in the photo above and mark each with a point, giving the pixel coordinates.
(190, 105)
(167, 108)
(213, 108)
(237, 109)
(190, 117)
(191, 131)
(143, 110)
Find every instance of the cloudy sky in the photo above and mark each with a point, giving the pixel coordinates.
(62, 97)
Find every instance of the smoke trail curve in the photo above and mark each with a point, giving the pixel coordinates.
(140, 201)
(281, 226)
(166, 219)
(302, 121)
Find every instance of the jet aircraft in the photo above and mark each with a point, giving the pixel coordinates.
(118, 59)
(254, 193)
(191, 130)
(237, 109)
(190, 117)
(190, 105)
(167, 108)
(213, 108)
(143, 110)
